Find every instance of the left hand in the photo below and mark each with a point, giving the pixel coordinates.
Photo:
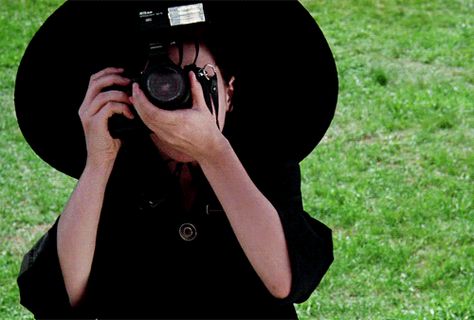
(190, 131)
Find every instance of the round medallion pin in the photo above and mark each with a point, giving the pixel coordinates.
(187, 232)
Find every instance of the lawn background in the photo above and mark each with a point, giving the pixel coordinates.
(393, 177)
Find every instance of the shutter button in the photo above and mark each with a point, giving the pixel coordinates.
(187, 232)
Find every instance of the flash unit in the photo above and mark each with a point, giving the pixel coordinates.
(189, 14)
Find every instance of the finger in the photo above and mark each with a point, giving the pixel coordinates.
(196, 91)
(112, 108)
(105, 72)
(102, 98)
(97, 85)
(147, 111)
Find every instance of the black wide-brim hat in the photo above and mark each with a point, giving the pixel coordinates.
(286, 87)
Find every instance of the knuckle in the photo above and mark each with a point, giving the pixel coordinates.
(100, 73)
(118, 95)
(93, 83)
(110, 80)
(108, 105)
(104, 97)
(98, 100)
(117, 107)
(97, 75)
(103, 82)
(124, 96)
(82, 112)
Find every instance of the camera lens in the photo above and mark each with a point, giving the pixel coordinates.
(166, 85)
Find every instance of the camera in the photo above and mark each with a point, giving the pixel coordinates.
(164, 83)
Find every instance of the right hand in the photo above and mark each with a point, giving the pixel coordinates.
(95, 111)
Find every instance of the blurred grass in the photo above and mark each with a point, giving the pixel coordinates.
(392, 177)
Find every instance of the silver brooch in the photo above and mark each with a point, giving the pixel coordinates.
(187, 232)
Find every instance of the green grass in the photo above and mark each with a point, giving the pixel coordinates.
(393, 177)
(31, 193)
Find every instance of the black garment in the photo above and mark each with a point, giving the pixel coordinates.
(142, 268)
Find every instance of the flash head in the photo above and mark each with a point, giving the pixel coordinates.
(158, 23)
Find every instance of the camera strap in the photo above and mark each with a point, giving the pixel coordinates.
(208, 84)
(211, 95)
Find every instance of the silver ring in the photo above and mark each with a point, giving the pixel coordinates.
(206, 74)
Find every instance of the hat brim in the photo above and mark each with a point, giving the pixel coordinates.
(287, 79)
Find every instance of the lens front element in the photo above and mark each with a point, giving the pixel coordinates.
(166, 85)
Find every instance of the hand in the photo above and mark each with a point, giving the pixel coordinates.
(95, 111)
(189, 131)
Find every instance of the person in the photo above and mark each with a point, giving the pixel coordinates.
(174, 224)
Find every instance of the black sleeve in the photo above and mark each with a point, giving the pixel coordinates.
(309, 241)
(40, 281)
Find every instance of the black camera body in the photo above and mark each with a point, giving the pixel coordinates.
(164, 83)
